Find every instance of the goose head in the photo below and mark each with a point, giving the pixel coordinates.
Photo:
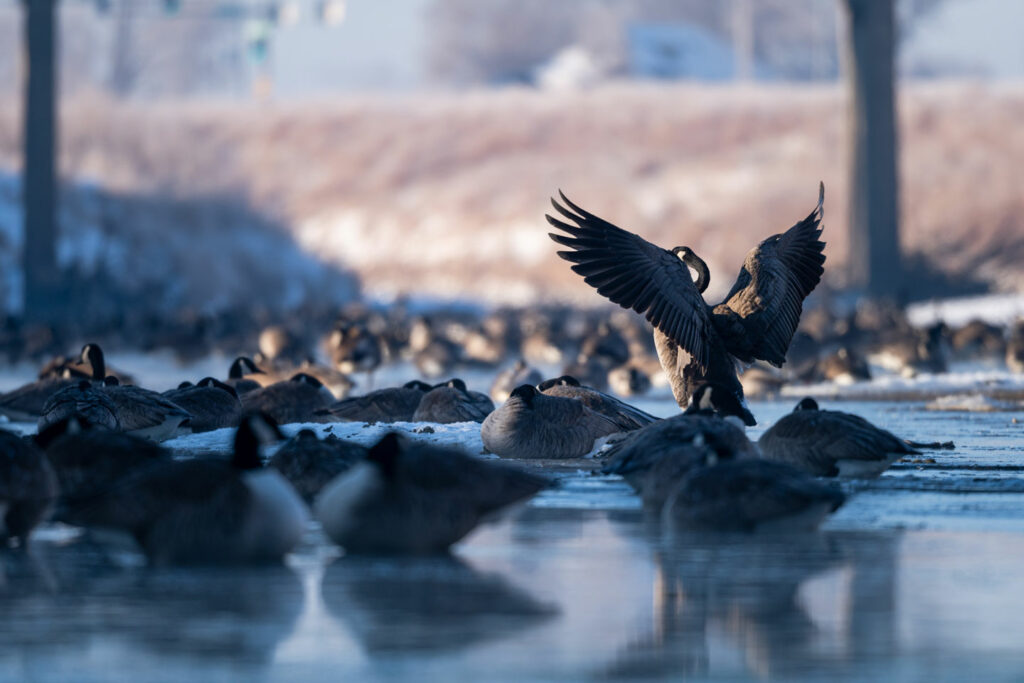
(525, 394)
(385, 454)
(691, 260)
(217, 384)
(111, 381)
(716, 399)
(807, 403)
(254, 430)
(417, 385)
(563, 381)
(92, 355)
(243, 366)
(455, 383)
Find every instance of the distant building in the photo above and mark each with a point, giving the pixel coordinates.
(681, 51)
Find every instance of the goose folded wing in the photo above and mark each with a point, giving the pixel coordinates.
(767, 298)
(634, 273)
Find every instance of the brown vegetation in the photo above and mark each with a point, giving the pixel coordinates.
(445, 194)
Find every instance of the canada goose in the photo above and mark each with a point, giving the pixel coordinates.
(336, 382)
(762, 381)
(352, 348)
(395, 404)
(25, 404)
(748, 495)
(84, 366)
(84, 400)
(978, 340)
(628, 380)
(309, 463)
(634, 455)
(698, 343)
(844, 366)
(829, 443)
(211, 403)
(589, 370)
(28, 488)
(659, 480)
(625, 416)
(606, 344)
(295, 400)
(278, 343)
(243, 373)
(915, 351)
(452, 402)
(143, 412)
(88, 458)
(715, 399)
(416, 498)
(205, 511)
(510, 378)
(534, 425)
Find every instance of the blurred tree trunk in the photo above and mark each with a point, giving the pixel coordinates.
(874, 193)
(39, 181)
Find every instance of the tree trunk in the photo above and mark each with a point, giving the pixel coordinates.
(874, 193)
(39, 182)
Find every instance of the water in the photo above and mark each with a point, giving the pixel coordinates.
(917, 576)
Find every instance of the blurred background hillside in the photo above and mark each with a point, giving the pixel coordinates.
(409, 148)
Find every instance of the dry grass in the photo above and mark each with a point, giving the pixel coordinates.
(444, 194)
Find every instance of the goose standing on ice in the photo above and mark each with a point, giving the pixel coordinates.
(698, 343)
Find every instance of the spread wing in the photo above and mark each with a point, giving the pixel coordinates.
(768, 296)
(634, 273)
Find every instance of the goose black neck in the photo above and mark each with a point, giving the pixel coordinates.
(703, 273)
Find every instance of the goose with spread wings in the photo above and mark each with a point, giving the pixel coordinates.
(698, 343)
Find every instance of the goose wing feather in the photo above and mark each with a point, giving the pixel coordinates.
(632, 272)
(767, 298)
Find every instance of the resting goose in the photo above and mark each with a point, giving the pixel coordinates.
(296, 400)
(532, 425)
(205, 511)
(748, 495)
(829, 443)
(211, 403)
(394, 404)
(28, 488)
(309, 463)
(143, 412)
(410, 497)
(244, 375)
(452, 402)
(625, 416)
(698, 343)
(83, 400)
(26, 403)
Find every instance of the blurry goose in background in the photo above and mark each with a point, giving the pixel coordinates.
(89, 364)
(88, 459)
(510, 378)
(211, 403)
(844, 366)
(606, 345)
(243, 374)
(533, 425)
(432, 354)
(590, 371)
(143, 412)
(395, 404)
(26, 403)
(1015, 349)
(698, 343)
(748, 495)
(353, 348)
(294, 400)
(829, 443)
(717, 400)
(28, 488)
(762, 381)
(452, 402)
(309, 463)
(915, 351)
(205, 511)
(978, 340)
(410, 497)
(84, 400)
(623, 415)
(629, 380)
(278, 344)
(336, 382)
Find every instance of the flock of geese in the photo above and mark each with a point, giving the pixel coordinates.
(97, 461)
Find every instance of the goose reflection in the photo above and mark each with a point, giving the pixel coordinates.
(727, 594)
(74, 596)
(430, 603)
